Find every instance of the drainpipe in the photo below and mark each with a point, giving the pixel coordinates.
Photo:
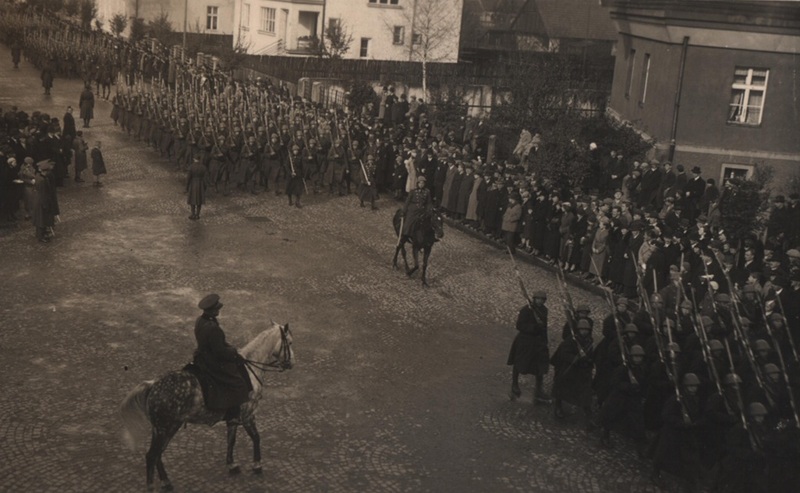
(185, 21)
(413, 25)
(674, 131)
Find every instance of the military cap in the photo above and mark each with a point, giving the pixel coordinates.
(622, 301)
(421, 178)
(686, 304)
(210, 302)
(674, 347)
(776, 316)
(748, 288)
(637, 350)
(45, 165)
(28, 160)
(539, 294)
(771, 368)
(584, 323)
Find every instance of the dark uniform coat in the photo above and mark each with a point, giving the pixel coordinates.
(196, 184)
(572, 382)
(86, 104)
(529, 353)
(230, 385)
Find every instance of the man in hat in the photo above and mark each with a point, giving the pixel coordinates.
(367, 189)
(230, 384)
(695, 188)
(529, 353)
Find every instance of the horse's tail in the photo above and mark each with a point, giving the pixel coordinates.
(133, 411)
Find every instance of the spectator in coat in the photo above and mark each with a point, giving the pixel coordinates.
(511, 218)
(79, 147)
(98, 164)
(45, 202)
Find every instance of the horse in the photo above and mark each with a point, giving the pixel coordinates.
(160, 407)
(429, 228)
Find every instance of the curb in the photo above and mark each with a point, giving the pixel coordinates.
(526, 257)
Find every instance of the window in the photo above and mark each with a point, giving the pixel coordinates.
(731, 171)
(364, 52)
(629, 75)
(334, 23)
(747, 95)
(399, 35)
(212, 15)
(267, 19)
(645, 77)
(416, 38)
(384, 2)
(246, 16)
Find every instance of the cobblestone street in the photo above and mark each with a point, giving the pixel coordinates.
(395, 388)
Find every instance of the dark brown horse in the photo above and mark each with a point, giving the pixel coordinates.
(429, 228)
(160, 407)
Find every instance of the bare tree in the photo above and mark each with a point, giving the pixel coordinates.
(118, 24)
(433, 35)
(160, 27)
(88, 13)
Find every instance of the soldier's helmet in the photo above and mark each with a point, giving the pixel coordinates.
(637, 350)
(771, 369)
(732, 379)
(761, 345)
(673, 347)
(715, 345)
(690, 379)
(631, 329)
(755, 409)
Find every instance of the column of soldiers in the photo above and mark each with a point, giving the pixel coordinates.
(706, 385)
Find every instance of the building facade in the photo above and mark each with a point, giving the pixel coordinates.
(713, 82)
(379, 29)
(199, 16)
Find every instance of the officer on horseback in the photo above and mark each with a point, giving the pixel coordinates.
(418, 203)
(229, 382)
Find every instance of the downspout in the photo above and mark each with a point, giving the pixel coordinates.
(674, 131)
(413, 25)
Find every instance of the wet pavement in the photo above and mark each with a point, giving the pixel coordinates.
(395, 388)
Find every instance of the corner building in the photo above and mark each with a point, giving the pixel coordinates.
(714, 82)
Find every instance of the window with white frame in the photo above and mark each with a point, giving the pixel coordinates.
(383, 2)
(246, 16)
(364, 51)
(334, 23)
(731, 171)
(267, 19)
(747, 95)
(399, 35)
(416, 38)
(644, 79)
(212, 16)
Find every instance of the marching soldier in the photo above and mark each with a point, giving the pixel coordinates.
(529, 353)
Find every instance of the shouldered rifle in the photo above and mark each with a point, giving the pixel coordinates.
(569, 310)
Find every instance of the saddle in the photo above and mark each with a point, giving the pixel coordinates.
(206, 382)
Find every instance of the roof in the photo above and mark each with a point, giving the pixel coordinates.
(576, 19)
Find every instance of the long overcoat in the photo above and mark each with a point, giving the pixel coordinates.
(529, 353)
(86, 104)
(196, 183)
(230, 385)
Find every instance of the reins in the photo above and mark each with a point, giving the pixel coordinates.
(278, 365)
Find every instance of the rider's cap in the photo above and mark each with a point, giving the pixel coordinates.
(210, 302)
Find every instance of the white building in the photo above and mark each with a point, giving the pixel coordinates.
(380, 29)
(200, 16)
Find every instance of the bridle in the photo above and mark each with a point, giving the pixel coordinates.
(284, 362)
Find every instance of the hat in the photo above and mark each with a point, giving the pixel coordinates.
(539, 294)
(583, 308)
(637, 225)
(696, 170)
(722, 298)
(29, 160)
(622, 301)
(210, 302)
(45, 165)
(792, 253)
(421, 178)
(583, 324)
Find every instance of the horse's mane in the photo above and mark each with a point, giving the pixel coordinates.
(261, 346)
